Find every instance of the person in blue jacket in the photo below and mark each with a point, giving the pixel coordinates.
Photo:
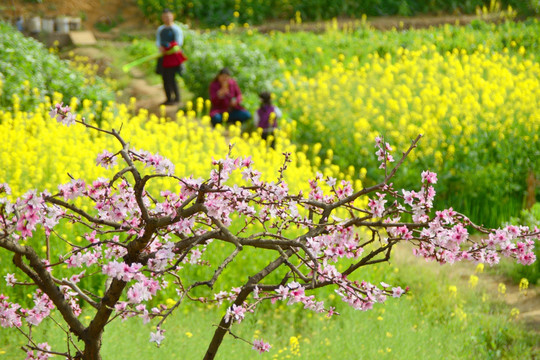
(169, 39)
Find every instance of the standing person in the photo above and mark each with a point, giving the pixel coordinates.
(226, 96)
(20, 24)
(266, 117)
(169, 39)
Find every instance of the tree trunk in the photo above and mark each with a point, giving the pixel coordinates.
(532, 183)
(92, 349)
(223, 327)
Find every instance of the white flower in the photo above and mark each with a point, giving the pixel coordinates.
(157, 337)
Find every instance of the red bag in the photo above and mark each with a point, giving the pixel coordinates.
(174, 59)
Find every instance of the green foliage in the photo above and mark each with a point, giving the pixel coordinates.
(207, 54)
(139, 48)
(222, 12)
(30, 72)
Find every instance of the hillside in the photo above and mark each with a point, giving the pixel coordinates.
(125, 16)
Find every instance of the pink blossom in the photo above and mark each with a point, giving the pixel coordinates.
(247, 162)
(261, 346)
(62, 114)
(331, 181)
(40, 355)
(72, 190)
(408, 196)
(120, 270)
(429, 177)
(296, 293)
(9, 313)
(75, 260)
(345, 190)
(383, 154)
(331, 312)
(283, 291)
(235, 313)
(220, 296)
(4, 188)
(527, 259)
(10, 279)
(377, 206)
(159, 163)
(106, 159)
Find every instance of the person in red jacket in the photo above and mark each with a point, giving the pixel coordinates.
(226, 96)
(169, 39)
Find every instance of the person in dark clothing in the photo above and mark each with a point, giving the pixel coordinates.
(226, 97)
(266, 117)
(169, 39)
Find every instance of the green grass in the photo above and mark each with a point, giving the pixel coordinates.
(430, 323)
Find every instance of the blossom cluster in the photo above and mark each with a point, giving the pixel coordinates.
(63, 114)
(12, 314)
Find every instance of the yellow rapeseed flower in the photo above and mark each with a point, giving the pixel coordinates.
(523, 285)
(473, 280)
(480, 268)
(514, 313)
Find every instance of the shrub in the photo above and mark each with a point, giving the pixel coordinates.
(251, 67)
(223, 12)
(28, 73)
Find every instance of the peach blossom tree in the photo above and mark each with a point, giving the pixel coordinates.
(137, 243)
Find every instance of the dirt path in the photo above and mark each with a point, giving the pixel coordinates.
(148, 96)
